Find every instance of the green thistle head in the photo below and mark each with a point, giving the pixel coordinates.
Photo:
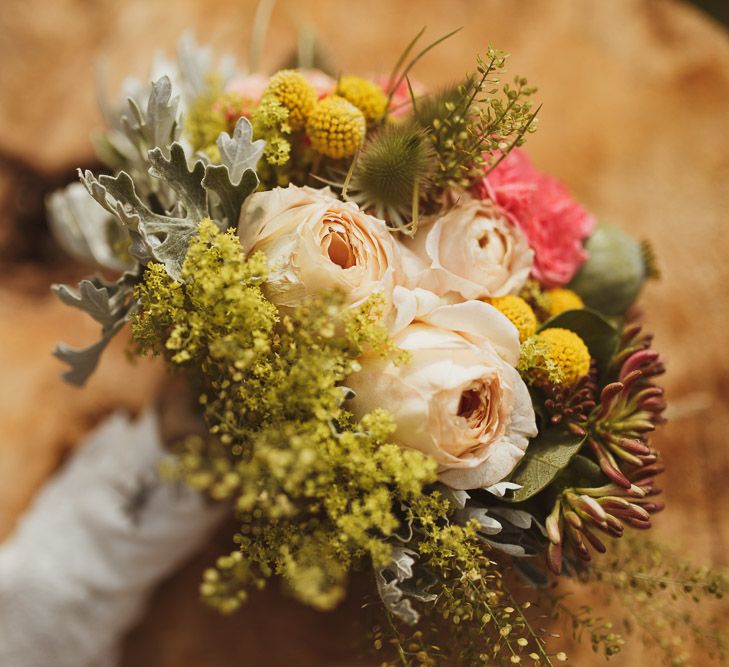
(392, 173)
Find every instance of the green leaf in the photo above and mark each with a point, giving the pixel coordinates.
(581, 472)
(599, 335)
(546, 456)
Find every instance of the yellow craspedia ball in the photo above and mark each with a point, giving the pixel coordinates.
(519, 312)
(559, 300)
(366, 95)
(336, 127)
(556, 356)
(295, 93)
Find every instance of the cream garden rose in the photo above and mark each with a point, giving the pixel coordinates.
(473, 251)
(314, 242)
(459, 399)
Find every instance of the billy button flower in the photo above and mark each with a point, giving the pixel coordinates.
(629, 408)
(336, 128)
(560, 300)
(519, 313)
(294, 93)
(366, 95)
(554, 357)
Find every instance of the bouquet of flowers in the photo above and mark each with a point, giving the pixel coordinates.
(412, 352)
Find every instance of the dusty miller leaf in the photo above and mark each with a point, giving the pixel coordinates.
(546, 455)
(217, 179)
(395, 596)
(85, 230)
(110, 304)
(514, 531)
(186, 184)
(240, 152)
(159, 125)
(83, 361)
(154, 236)
(102, 301)
(196, 67)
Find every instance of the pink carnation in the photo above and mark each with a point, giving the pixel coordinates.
(554, 223)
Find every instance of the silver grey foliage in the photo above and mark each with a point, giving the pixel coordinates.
(85, 230)
(392, 586)
(239, 152)
(155, 200)
(110, 304)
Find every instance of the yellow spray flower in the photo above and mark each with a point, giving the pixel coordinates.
(366, 95)
(556, 356)
(336, 127)
(519, 312)
(295, 93)
(559, 300)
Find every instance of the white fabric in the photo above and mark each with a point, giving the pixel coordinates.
(76, 573)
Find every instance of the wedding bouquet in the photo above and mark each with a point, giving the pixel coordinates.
(413, 352)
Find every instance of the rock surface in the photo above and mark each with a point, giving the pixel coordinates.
(636, 96)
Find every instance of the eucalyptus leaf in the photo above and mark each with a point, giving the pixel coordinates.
(599, 335)
(546, 455)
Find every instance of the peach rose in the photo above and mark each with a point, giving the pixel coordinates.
(552, 221)
(314, 242)
(474, 251)
(460, 399)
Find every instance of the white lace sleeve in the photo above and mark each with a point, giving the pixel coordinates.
(75, 574)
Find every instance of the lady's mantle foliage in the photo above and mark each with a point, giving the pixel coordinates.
(314, 489)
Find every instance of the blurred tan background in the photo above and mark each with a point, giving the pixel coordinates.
(636, 107)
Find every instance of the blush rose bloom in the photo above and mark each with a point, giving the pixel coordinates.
(553, 222)
(314, 242)
(459, 399)
(473, 250)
